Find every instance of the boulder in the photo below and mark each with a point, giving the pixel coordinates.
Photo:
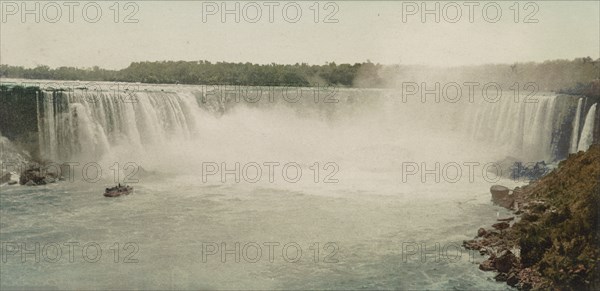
(499, 191)
(473, 244)
(505, 262)
(512, 279)
(38, 176)
(501, 226)
(502, 277)
(488, 265)
(5, 178)
(481, 232)
(49, 180)
(501, 196)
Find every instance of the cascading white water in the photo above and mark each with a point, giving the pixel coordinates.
(524, 130)
(91, 124)
(575, 134)
(587, 133)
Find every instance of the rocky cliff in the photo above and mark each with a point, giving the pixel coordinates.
(19, 117)
(555, 241)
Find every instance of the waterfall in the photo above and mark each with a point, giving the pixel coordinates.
(81, 123)
(93, 123)
(587, 133)
(526, 130)
(575, 134)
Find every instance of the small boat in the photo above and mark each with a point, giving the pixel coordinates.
(118, 191)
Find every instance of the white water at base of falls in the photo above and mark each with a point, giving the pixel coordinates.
(587, 133)
(575, 134)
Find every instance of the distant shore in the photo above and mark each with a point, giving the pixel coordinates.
(568, 76)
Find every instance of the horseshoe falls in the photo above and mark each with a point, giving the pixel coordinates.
(94, 124)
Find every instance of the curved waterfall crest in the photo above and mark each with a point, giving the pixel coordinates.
(83, 123)
(87, 123)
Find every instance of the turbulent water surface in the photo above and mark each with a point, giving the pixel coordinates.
(358, 222)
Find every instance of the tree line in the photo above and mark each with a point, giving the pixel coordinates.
(548, 75)
(204, 73)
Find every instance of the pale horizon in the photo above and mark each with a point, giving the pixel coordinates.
(363, 32)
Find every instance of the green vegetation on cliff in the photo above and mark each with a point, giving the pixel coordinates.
(560, 238)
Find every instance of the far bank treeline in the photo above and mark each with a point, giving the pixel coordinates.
(574, 75)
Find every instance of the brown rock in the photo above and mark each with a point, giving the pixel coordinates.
(472, 245)
(501, 277)
(499, 192)
(500, 196)
(489, 264)
(491, 235)
(512, 280)
(481, 232)
(501, 226)
(505, 262)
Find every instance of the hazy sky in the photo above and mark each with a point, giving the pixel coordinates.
(373, 30)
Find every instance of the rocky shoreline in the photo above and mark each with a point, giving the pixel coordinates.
(552, 241)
